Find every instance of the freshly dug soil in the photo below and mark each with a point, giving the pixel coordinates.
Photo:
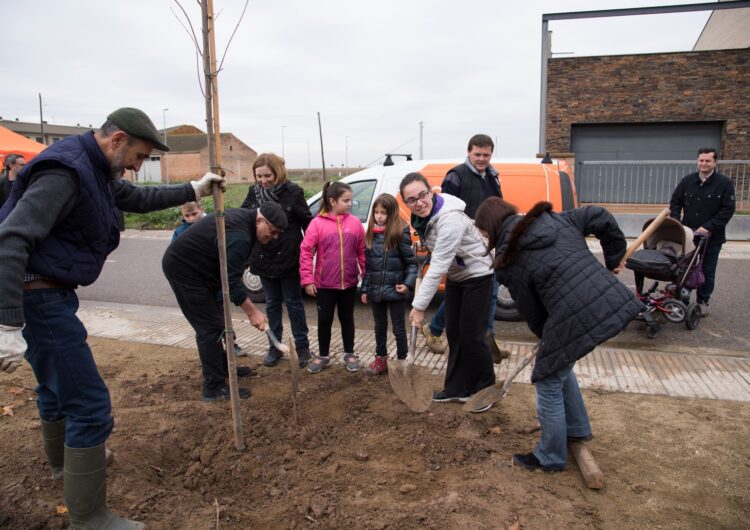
(360, 459)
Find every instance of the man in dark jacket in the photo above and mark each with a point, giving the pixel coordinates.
(191, 265)
(473, 181)
(569, 301)
(56, 231)
(704, 201)
(12, 165)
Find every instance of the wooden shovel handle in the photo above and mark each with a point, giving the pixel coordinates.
(645, 234)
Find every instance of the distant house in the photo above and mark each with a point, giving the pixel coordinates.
(188, 155)
(52, 133)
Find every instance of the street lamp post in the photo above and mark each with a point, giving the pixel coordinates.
(282, 142)
(166, 160)
(346, 155)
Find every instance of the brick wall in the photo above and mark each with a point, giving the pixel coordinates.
(669, 87)
(183, 167)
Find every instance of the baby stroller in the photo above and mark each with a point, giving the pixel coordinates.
(670, 255)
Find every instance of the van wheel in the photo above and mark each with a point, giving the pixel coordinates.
(505, 307)
(253, 287)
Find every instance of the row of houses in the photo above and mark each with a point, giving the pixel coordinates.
(187, 158)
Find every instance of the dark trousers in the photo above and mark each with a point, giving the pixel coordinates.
(288, 291)
(710, 261)
(380, 314)
(197, 300)
(69, 384)
(328, 301)
(466, 312)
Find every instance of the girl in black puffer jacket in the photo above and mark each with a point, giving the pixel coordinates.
(391, 273)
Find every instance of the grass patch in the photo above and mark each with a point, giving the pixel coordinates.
(233, 198)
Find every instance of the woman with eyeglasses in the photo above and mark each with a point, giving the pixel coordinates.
(458, 251)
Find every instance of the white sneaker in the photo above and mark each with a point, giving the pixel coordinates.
(704, 309)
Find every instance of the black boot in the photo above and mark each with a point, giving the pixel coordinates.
(53, 439)
(86, 491)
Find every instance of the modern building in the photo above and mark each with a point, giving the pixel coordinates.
(52, 133)
(624, 109)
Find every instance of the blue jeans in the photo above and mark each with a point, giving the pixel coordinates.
(710, 261)
(561, 413)
(69, 384)
(437, 324)
(288, 291)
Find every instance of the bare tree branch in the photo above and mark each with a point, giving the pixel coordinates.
(192, 37)
(221, 63)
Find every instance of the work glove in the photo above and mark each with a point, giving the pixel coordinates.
(12, 347)
(203, 186)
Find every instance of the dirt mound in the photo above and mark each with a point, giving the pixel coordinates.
(360, 459)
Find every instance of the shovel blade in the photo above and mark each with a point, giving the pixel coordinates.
(488, 396)
(411, 384)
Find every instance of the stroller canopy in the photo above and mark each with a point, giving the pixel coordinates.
(671, 233)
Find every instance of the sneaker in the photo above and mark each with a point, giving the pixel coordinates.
(704, 309)
(303, 358)
(351, 361)
(440, 396)
(238, 351)
(379, 365)
(531, 462)
(245, 371)
(434, 342)
(222, 393)
(272, 358)
(318, 363)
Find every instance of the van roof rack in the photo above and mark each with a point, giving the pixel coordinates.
(389, 160)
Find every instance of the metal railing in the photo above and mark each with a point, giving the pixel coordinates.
(650, 181)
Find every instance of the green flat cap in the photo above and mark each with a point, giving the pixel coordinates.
(137, 124)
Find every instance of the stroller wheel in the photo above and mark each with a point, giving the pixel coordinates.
(674, 311)
(693, 317)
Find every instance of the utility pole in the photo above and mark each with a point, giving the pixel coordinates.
(346, 156)
(322, 155)
(41, 118)
(282, 142)
(308, 159)
(421, 151)
(166, 159)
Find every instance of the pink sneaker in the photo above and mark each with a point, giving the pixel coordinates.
(379, 365)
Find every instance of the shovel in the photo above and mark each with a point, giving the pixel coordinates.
(411, 383)
(490, 395)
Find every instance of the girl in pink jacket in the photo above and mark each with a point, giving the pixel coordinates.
(337, 241)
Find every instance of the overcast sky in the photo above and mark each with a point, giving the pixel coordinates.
(373, 70)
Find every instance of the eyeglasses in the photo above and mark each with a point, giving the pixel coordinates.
(411, 201)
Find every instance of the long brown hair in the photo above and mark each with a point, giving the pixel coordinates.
(275, 163)
(511, 251)
(490, 217)
(394, 226)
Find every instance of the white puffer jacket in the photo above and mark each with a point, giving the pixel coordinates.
(458, 250)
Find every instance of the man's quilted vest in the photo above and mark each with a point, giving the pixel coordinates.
(76, 248)
(473, 191)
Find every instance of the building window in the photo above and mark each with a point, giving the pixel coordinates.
(55, 140)
(39, 139)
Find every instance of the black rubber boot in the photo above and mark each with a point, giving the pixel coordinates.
(86, 491)
(53, 439)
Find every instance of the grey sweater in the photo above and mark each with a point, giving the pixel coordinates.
(48, 199)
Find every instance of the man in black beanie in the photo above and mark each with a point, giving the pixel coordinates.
(191, 265)
(56, 230)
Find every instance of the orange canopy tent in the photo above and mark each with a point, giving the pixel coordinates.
(12, 143)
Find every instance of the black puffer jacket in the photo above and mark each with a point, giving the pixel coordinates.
(569, 300)
(385, 270)
(280, 257)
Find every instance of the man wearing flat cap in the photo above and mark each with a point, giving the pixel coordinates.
(191, 265)
(56, 231)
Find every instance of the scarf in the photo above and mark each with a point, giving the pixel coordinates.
(420, 223)
(378, 229)
(263, 194)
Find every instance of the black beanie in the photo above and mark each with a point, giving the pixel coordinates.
(274, 215)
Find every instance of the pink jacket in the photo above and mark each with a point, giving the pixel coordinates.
(339, 242)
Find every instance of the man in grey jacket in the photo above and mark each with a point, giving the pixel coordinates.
(56, 230)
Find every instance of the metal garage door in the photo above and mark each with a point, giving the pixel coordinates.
(630, 143)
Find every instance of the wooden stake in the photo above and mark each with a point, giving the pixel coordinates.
(214, 156)
(590, 470)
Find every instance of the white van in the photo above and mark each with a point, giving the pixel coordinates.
(523, 182)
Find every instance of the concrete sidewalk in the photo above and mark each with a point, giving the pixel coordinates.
(613, 369)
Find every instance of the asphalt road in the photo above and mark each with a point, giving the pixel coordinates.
(132, 275)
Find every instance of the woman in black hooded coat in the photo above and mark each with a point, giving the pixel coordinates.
(570, 301)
